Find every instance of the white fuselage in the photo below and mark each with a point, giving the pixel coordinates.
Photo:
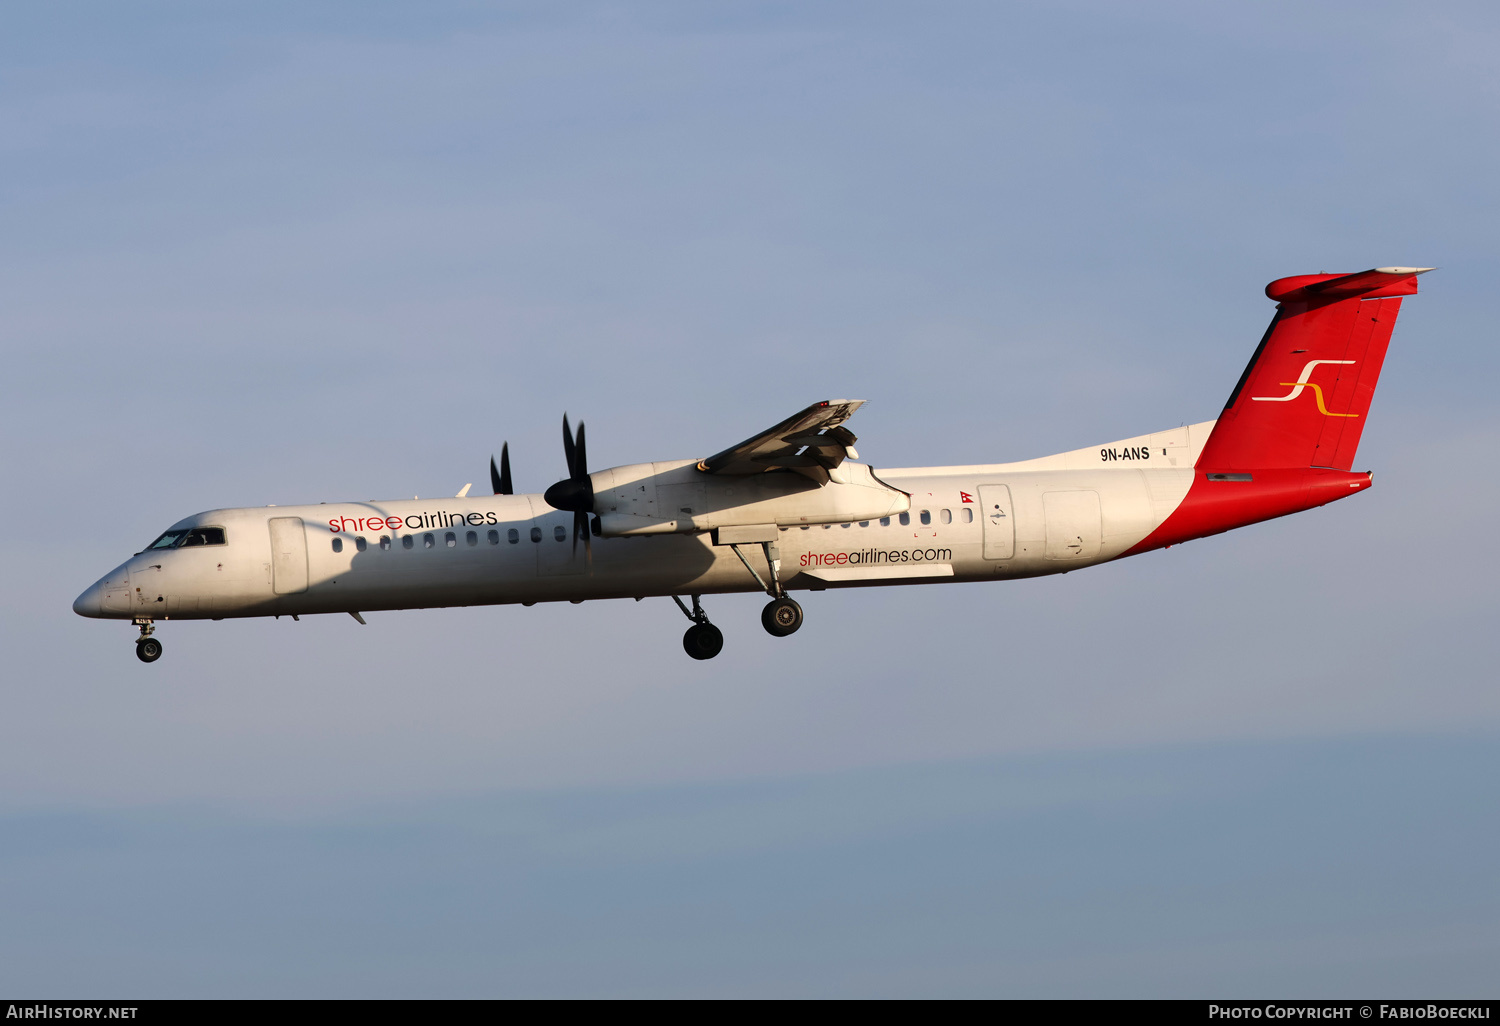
(970, 523)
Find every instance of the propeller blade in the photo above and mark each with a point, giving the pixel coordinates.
(576, 491)
(506, 488)
(568, 445)
(581, 529)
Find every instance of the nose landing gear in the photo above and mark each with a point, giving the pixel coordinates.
(147, 648)
(703, 640)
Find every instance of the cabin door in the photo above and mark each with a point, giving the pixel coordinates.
(288, 556)
(1074, 526)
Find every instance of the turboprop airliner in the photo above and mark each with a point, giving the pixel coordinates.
(790, 509)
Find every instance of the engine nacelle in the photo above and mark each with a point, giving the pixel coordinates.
(678, 498)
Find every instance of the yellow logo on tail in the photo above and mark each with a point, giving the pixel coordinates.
(1301, 383)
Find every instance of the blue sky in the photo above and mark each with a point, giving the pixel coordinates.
(286, 253)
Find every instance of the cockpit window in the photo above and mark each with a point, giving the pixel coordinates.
(204, 536)
(188, 538)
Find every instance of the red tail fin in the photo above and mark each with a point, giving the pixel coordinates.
(1303, 398)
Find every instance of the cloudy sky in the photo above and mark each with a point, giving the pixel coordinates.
(292, 252)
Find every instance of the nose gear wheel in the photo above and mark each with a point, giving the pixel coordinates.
(147, 648)
(703, 641)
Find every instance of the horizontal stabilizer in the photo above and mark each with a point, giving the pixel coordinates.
(1376, 283)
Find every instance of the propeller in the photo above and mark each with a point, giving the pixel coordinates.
(575, 493)
(500, 479)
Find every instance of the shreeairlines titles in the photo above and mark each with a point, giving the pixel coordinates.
(442, 518)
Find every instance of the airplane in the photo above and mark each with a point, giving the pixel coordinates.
(790, 509)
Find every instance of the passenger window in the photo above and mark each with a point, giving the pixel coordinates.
(450, 539)
(885, 521)
(864, 523)
(926, 517)
(428, 541)
(338, 545)
(406, 541)
(846, 525)
(560, 533)
(906, 520)
(472, 537)
(494, 537)
(513, 536)
(385, 542)
(946, 516)
(968, 515)
(359, 544)
(536, 534)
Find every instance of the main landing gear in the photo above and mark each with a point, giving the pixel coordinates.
(147, 648)
(703, 640)
(781, 617)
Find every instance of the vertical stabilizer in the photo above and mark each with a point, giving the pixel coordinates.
(1304, 396)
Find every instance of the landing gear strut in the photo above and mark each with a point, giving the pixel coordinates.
(782, 615)
(147, 648)
(703, 640)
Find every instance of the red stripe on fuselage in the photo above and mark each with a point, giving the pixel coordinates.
(1212, 507)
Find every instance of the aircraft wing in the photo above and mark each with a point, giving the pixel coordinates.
(811, 442)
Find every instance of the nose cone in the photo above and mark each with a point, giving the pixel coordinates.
(91, 602)
(109, 598)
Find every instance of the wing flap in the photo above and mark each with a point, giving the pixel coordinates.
(811, 442)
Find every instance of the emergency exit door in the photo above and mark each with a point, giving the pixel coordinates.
(999, 522)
